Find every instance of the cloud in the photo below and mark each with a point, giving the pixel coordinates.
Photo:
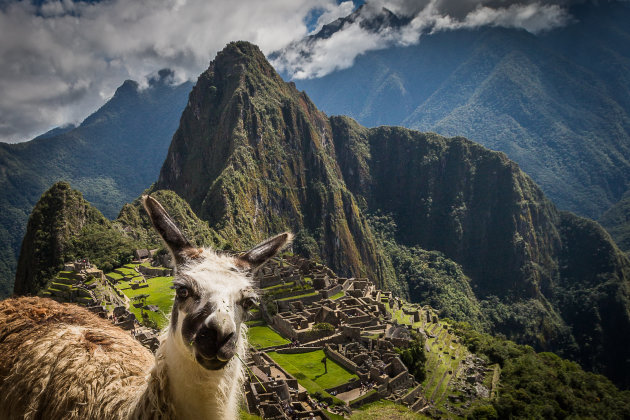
(332, 13)
(316, 56)
(60, 60)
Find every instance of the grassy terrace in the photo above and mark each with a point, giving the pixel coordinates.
(261, 336)
(442, 360)
(300, 296)
(386, 410)
(338, 295)
(159, 291)
(127, 270)
(115, 276)
(308, 369)
(278, 286)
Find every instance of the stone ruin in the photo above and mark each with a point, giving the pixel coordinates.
(362, 340)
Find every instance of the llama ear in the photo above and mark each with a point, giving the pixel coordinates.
(257, 256)
(166, 228)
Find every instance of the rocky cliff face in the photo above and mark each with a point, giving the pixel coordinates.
(253, 156)
(544, 277)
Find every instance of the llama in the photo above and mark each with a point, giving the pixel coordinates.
(59, 361)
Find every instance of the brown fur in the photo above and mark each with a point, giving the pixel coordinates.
(49, 350)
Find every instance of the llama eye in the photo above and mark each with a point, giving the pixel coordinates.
(182, 292)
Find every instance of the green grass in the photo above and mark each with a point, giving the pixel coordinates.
(244, 415)
(308, 369)
(337, 295)
(385, 410)
(262, 336)
(300, 296)
(277, 286)
(160, 294)
(127, 272)
(333, 416)
(115, 276)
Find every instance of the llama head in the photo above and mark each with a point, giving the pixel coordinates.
(212, 291)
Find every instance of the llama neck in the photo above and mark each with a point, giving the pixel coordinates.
(198, 393)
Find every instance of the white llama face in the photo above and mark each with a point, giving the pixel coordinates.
(212, 297)
(213, 291)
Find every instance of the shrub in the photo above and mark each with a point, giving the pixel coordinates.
(323, 326)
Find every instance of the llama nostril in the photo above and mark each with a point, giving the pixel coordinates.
(206, 340)
(223, 341)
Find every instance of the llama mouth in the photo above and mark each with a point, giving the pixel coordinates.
(210, 363)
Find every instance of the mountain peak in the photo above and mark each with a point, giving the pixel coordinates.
(250, 147)
(240, 58)
(57, 216)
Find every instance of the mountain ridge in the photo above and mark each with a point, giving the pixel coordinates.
(555, 102)
(111, 157)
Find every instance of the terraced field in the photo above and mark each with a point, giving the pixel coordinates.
(445, 356)
(158, 290)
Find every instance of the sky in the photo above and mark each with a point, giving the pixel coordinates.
(61, 59)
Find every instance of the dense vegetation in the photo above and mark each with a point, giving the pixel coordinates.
(557, 102)
(542, 385)
(616, 220)
(430, 277)
(415, 358)
(111, 158)
(63, 227)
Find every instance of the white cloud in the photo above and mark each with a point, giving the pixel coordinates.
(332, 13)
(60, 61)
(317, 57)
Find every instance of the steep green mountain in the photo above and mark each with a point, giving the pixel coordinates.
(544, 277)
(558, 103)
(111, 157)
(136, 224)
(63, 226)
(616, 220)
(253, 156)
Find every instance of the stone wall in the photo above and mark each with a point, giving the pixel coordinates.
(283, 326)
(412, 395)
(371, 396)
(340, 359)
(402, 380)
(298, 350)
(331, 292)
(312, 335)
(155, 271)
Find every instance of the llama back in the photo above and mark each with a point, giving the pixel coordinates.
(60, 361)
